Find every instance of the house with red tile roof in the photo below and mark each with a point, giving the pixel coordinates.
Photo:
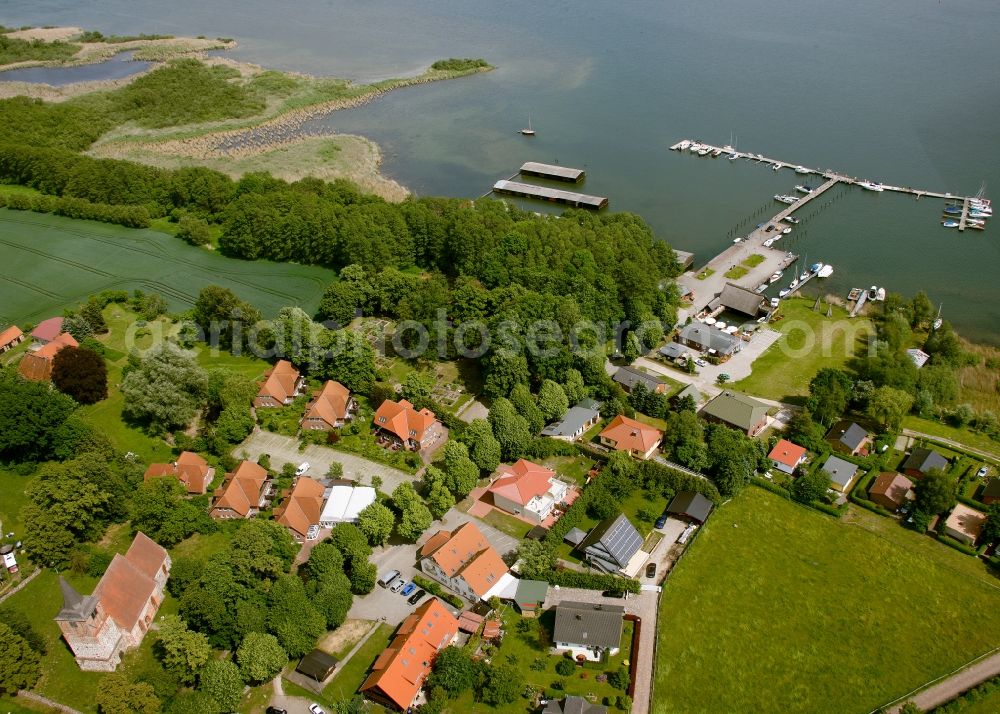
(399, 672)
(48, 330)
(528, 490)
(464, 561)
(191, 470)
(624, 434)
(10, 337)
(301, 510)
(282, 383)
(330, 408)
(242, 494)
(36, 365)
(891, 490)
(400, 423)
(786, 456)
(115, 618)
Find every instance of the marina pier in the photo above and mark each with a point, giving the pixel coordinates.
(571, 198)
(552, 172)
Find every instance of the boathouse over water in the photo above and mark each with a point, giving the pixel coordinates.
(527, 190)
(549, 171)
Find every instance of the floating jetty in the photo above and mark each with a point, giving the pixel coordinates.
(555, 195)
(550, 171)
(835, 176)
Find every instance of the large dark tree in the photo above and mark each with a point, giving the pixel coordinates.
(829, 392)
(80, 373)
(935, 492)
(31, 418)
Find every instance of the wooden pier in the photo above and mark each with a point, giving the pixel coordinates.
(965, 215)
(553, 172)
(862, 299)
(527, 190)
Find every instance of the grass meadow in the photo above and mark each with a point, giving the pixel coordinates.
(779, 608)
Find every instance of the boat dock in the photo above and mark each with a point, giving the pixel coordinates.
(550, 171)
(527, 190)
(862, 298)
(965, 215)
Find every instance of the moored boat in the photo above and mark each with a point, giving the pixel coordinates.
(774, 302)
(854, 294)
(949, 224)
(776, 277)
(703, 151)
(802, 170)
(783, 292)
(785, 199)
(872, 292)
(786, 231)
(953, 210)
(794, 284)
(769, 242)
(803, 189)
(804, 277)
(870, 185)
(825, 272)
(880, 294)
(791, 219)
(815, 267)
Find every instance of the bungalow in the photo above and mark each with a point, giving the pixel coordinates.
(891, 490)
(48, 330)
(991, 493)
(10, 337)
(842, 473)
(399, 672)
(849, 438)
(317, 665)
(344, 503)
(690, 506)
(530, 595)
(624, 434)
(242, 494)
(674, 351)
(527, 490)
(573, 705)
(738, 411)
(574, 422)
(628, 377)
(282, 383)
(330, 408)
(301, 510)
(191, 470)
(738, 299)
(922, 460)
(587, 631)
(689, 391)
(37, 365)
(464, 561)
(402, 424)
(614, 546)
(965, 524)
(710, 340)
(786, 456)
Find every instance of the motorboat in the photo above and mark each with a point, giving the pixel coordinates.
(949, 224)
(769, 242)
(717, 153)
(783, 292)
(815, 267)
(737, 239)
(979, 214)
(774, 302)
(975, 226)
(693, 148)
(870, 186)
(791, 219)
(683, 145)
(703, 151)
(786, 231)
(776, 277)
(802, 170)
(785, 199)
(873, 292)
(720, 325)
(761, 288)
(880, 294)
(803, 189)
(974, 222)
(794, 284)
(953, 210)
(776, 167)
(733, 156)
(825, 272)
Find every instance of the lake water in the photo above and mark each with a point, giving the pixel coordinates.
(118, 67)
(899, 92)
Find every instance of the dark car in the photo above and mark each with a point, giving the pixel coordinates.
(661, 521)
(613, 593)
(651, 570)
(275, 710)
(415, 597)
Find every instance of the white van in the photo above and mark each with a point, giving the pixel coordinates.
(388, 578)
(303, 467)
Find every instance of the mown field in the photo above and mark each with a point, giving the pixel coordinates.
(51, 262)
(777, 608)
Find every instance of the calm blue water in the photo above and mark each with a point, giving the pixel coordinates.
(118, 67)
(899, 92)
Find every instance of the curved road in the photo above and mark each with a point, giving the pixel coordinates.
(950, 442)
(954, 685)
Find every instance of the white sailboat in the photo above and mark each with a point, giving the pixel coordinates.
(938, 321)
(528, 131)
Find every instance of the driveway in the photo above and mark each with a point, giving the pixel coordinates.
(285, 450)
(644, 606)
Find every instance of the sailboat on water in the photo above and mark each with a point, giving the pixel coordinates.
(733, 143)
(938, 321)
(528, 131)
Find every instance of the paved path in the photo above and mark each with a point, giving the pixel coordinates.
(285, 450)
(17, 588)
(954, 685)
(951, 442)
(643, 605)
(38, 698)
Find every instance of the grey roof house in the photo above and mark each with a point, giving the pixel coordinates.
(573, 705)
(738, 411)
(922, 460)
(848, 437)
(739, 300)
(588, 629)
(612, 544)
(691, 506)
(706, 338)
(841, 472)
(628, 377)
(689, 391)
(574, 422)
(673, 350)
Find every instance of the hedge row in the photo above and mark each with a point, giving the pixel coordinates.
(972, 503)
(835, 511)
(573, 515)
(435, 589)
(957, 545)
(129, 216)
(665, 477)
(956, 706)
(593, 581)
(870, 505)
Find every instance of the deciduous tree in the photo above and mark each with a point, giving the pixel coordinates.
(829, 392)
(166, 389)
(454, 670)
(415, 517)
(260, 657)
(119, 695)
(31, 417)
(376, 522)
(935, 492)
(460, 473)
(483, 447)
(81, 374)
(19, 664)
(811, 486)
(510, 429)
(888, 406)
(183, 652)
(552, 400)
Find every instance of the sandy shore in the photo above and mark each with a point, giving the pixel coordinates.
(47, 34)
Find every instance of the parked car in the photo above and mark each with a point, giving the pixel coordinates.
(316, 708)
(651, 570)
(613, 593)
(661, 521)
(397, 585)
(700, 362)
(387, 579)
(275, 710)
(415, 597)
(981, 473)
(410, 587)
(303, 467)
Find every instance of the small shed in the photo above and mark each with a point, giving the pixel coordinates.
(469, 621)
(690, 506)
(530, 595)
(317, 665)
(575, 536)
(492, 629)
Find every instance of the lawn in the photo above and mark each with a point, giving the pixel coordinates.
(12, 487)
(505, 523)
(736, 272)
(526, 648)
(754, 260)
(810, 341)
(806, 613)
(61, 261)
(352, 675)
(963, 436)
(570, 468)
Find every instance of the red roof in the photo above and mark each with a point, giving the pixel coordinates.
(522, 482)
(302, 507)
(242, 489)
(399, 672)
(128, 583)
(466, 552)
(48, 329)
(403, 420)
(190, 469)
(280, 381)
(37, 365)
(787, 453)
(9, 335)
(330, 404)
(631, 435)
